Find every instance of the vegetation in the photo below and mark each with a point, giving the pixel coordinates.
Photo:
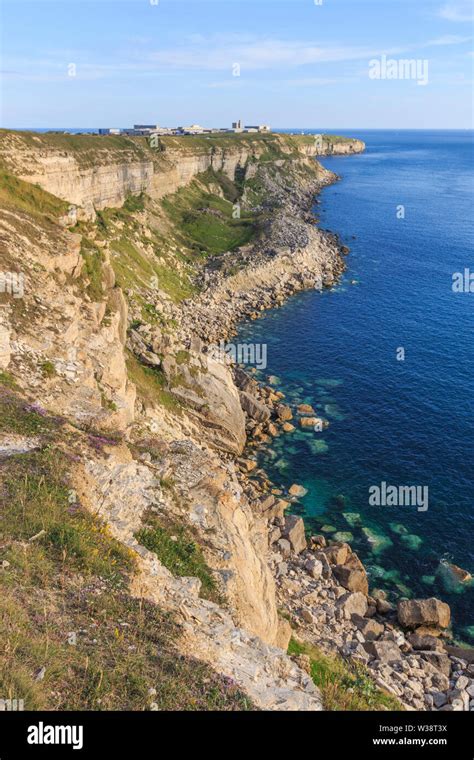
(92, 270)
(207, 222)
(177, 549)
(16, 193)
(343, 685)
(72, 637)
(151, 385)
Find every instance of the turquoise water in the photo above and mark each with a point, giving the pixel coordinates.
(405, 422)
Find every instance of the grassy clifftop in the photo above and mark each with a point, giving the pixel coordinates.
(90, 149)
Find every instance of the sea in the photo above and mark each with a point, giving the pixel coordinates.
(387, 357)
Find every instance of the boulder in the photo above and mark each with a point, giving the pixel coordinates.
(284, 413)
(293, 530)
(254, 408)
(438, 660)
(413, 613)
(284, 547)
(296, 490)
(337, 553)
(352, 604)
(425, 642)
(370, 629)
(352, 575)
(385, 651)
(314, 567)
(305, 409)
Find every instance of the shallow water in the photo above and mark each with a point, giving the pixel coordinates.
(403, 422)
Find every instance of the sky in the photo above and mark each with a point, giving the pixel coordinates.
(286, 63)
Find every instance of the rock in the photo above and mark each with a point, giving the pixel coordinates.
(439, 699)
(352, 575)
(305, 409)
(314, 567)
(296, 490)
(462, 683)
(352, 604)
(310, 422)
(371, 629)
(283, 634)
(285, 547)
(383, 606)
(293, 530)
(425, 642)
(438, 660)
(337, 553)
(284, 413)
(282, 569)
(463, 576)
(274, 535)
(415, 612)
(385, 651)
(327, 572)
(318, 541)
(248, 464)
(244, 382)
(307, 616)
(254, 408)
(287, 427)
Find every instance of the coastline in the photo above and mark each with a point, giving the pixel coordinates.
(343, 576)
(126, 359)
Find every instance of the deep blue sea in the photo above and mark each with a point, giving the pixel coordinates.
(402, 422)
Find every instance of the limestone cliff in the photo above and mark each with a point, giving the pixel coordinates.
(112, 332)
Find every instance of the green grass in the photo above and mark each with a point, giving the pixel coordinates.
(205, 220)
(48, 369)
(92, 269)
(151, 385)
(7, 379)
(177, 550)
(21, 418)
(64, 604)
(16, 193)
(37, 497)
(343, 685)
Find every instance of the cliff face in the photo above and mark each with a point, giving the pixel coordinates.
(101, 172)
(103, 336)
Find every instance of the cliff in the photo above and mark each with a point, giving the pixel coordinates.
(117, 410)
(101, 171)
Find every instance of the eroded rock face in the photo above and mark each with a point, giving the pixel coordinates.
(413, 613)
(254, 408)
(206, 388)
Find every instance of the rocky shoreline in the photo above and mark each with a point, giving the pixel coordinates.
(159, 422)
(323, 585)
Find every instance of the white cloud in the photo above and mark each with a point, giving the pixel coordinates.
(449, 39)
(253, 54)
(460, 11)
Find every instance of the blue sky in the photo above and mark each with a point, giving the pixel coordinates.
(302, 64)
